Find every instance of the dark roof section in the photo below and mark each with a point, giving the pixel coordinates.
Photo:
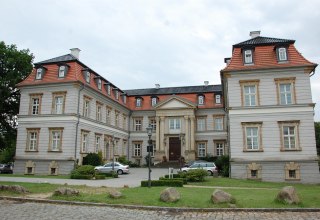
(64, 58)
(263, 41)
(174, 90)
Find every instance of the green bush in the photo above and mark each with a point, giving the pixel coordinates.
(184, 180)
(222, 164)
(83, 172)
(92, 159)
(173, 175)
(111, 174)
(99, 176)
(173, 183)
(196, 175)
(123, 160)
(75, 175)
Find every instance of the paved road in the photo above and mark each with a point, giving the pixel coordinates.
(30, 211)
(132, 180)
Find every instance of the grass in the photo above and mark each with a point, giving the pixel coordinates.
(190, 197)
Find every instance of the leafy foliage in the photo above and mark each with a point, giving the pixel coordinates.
(174, 183)
(92, 159)
(196, 175)
(223, 163)
(83, 172)
(15, 65)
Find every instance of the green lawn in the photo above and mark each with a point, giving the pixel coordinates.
(190, 197)
(38, 176)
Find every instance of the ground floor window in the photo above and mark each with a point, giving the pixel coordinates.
(254, 171)
(219, 148)
(292, 171)
(202, 151)
(137, 149)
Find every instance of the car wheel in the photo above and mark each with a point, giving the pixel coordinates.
(209, 173)
(119, 172)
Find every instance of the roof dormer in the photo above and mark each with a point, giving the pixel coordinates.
(63, 70)
(40, 71)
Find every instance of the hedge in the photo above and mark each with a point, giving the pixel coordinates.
(173, 175)
(99, 177)
(173, 183)
(184, 180)
(80, 176)
(112, 174)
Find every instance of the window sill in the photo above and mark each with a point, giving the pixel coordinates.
(137, 157)
(54, 151)
(259, 150)
(292, 179)
(31, 151)
(295, 149)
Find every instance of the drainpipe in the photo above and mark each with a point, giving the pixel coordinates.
(77, 126)
(129, 129)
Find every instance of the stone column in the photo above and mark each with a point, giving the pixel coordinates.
(161, 133)
(157, 134)
(187, 134)
(192, 133)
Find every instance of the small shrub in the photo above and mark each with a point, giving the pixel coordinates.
(173, 183)
(184, 180)
(173, 175)
(92, 159)
(111, 174)
(99, 176)
(123, 160)
(196, 175)
(223, 165)
(83, 172)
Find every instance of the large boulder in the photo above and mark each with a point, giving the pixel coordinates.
(14, 188)
(66, 191)
(115, 194)
(170, 195)
(219, 196)
(288, 195)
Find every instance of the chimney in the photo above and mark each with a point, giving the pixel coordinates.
(206, 83)
(75, 52)
(254, 34)
(157, 86)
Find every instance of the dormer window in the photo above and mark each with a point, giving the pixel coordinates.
(109, 89)
(200, 100)
(39, 73)
(124, 99)
(99, 84)
(154, 101)
(117, 94)
(248, 56)
(218, 99)
(63, 70)
(87, 74)
(138, 102)
(282, 54)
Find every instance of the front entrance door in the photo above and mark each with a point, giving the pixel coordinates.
(174, 148)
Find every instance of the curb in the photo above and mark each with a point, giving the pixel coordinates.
(157, 208)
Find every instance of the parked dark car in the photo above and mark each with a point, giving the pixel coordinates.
(6, 168)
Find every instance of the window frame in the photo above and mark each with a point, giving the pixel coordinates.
(203, 149)
(65, 70)
(86, 108)
(246, 60)
(218, 99)
(139, 102)
(154, 101)
(284, 81)
(295, 124)
(201, 123)
(138, 126)
(33, 106)
(221, 148)
(201, 100)
(245, 126)
(292, 166)
(39, 73)
(250, 83)
(97, 143)
(124, 121)
(87, 76)
(116, 118)
(35, 140)
(99, 111)
(281, 50)
(55, 95)
(137, 149)
(108, 115)
(176, 122)
(84, 141)
(215, 124)
(153, 123)
(51, 139)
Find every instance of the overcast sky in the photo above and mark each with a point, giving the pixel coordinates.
(138, 43)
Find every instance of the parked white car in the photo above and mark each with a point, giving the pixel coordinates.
(209, 166)
(107, 168)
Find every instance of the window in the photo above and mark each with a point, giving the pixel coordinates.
(108, 115)
(286, 90)
(124, 122)
(218, 99)
(97, 143)
(252, 136)
(32, 139)
(117, 94)
(109, 89)
(138, 124)
(200, 100)
(249, 92)
(99, 84)
(86, 106)
(58, 102)
(220, 149)
(289, 135)
(201, 124)
(248, 57)
(124, 99)
(202, 151)
(35, 104)
(254, 171)
(39, 73)
(99, 112)
(282, 54)
(218, 123)
(292, 171)
(87, 74)
(137, 149)
(153, 123)
(174, 124)
(55, 139)
(138, 102)
(62, 72)
(84, 141)
(154, 101)
(117, 119)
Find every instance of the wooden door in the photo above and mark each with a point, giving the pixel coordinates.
(174, 148)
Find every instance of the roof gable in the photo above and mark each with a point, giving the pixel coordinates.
(263, 41)
(64, 58)
(175, 102)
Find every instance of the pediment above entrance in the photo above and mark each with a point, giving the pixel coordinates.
(175, 102)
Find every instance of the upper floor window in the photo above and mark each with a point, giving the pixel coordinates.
(219, 148)
(86, 106)
(124, 121)
(137, 149)
(201, 124)
(218, 99)
(108, 115)
(35, 104)
(87, 74)
(99, 84)
(99, 112)
(282, 54)
(63, 70)
(174, 124)
(218, 123)
(138, 124)
(124, 99)
(249, 92)
(138, 102)
(109, 89)
(289, 135)
(58, 102)
(154, 101)
(202, 149)
(200, 100)
(153, 123)
(39, 73)
(117, 119)
(248, 57)
(252, 136)
(286, 90)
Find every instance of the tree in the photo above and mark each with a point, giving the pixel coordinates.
(15, 65)
(317, 131)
